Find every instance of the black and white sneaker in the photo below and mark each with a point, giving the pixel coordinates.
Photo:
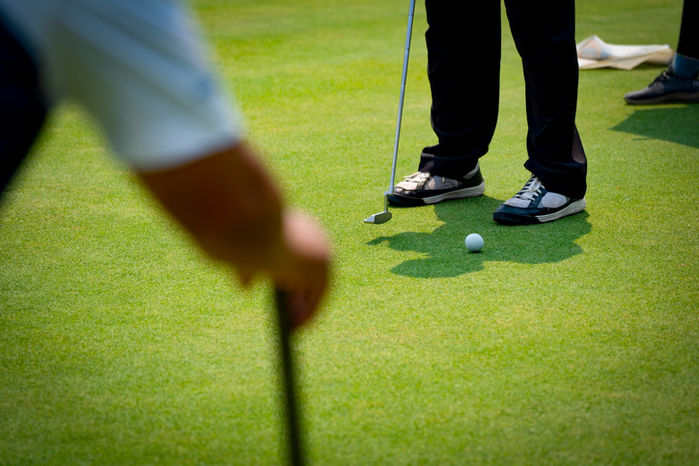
(535, 204)
(424, 188)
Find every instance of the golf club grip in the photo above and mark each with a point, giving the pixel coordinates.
(287, 367)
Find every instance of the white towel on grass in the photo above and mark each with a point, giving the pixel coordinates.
(593, 52)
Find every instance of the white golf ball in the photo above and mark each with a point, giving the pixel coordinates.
(474, 242)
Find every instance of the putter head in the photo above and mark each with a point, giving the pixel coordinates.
(381, 217)
(385, 216)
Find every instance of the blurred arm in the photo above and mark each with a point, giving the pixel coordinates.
(228, 202)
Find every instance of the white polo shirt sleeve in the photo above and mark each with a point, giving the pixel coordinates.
(139, 67)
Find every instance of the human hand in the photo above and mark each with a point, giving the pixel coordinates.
(245, 225)
(303, 269)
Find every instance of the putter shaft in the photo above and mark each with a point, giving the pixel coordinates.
(403, 81)
(385, 216)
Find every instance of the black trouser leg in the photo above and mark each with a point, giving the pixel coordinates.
(544, 33)
(22, 108)
(463, 52)
(688, 44)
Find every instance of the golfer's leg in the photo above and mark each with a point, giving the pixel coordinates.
(463, 49)
(688, 43)
(22, 109)
(544, 33)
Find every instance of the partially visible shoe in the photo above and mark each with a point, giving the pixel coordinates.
(666, 88)
(423, 188)
(535, 204)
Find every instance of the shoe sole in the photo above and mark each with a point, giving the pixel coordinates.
(405, 201)
(509, 218)
(676, 97)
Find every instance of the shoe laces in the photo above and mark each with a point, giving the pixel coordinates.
(418, 177)
(664, 76)
(531, 190)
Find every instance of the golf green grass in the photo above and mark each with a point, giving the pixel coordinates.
(574, 342)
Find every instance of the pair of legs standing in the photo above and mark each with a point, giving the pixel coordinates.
(463, 44)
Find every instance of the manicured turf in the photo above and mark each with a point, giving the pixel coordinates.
(567, 343)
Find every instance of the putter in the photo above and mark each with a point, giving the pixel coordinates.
(385, 216)
(287, 366)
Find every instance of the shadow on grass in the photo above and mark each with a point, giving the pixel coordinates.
(675, 124)
(446, 254)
